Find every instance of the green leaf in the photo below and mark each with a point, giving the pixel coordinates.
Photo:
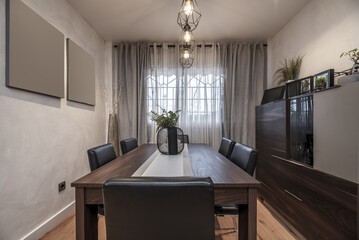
(166, 119)
(288, 70)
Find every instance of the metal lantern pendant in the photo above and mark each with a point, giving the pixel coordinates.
(189, 14)
(188, 19)
(186, 59)
(169, 141)
(186, 47)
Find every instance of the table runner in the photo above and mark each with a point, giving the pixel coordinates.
(160, 165)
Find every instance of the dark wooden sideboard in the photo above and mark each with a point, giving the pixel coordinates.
(317, 204)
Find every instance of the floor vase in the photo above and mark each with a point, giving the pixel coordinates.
(113, 132)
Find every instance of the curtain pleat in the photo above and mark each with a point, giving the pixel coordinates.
(132, 61)
(243, 89)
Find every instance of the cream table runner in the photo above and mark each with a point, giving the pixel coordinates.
(160, 165)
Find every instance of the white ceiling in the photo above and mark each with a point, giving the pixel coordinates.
(141, 20)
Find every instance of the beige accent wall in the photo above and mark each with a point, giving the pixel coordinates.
(320, 32)
(43, 140)
(336, 131)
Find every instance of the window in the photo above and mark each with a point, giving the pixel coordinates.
(199, 98)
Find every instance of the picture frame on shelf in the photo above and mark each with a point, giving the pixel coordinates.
(299, 87)
(323, 80)
(355, 69)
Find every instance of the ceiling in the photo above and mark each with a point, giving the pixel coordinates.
(150, 20)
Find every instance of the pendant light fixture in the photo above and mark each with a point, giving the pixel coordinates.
(189, 14)
(186, 47)
(188, 19)
(186, 35)
(186, 59)
(186, 52)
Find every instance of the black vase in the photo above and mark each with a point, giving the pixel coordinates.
(168, 141)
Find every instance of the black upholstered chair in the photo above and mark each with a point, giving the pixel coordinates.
(140, 208)
(246, 158)
(128, 145)
(98, 157)
(183, 138)
(226, 147)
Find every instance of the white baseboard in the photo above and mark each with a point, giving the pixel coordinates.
(46, 226)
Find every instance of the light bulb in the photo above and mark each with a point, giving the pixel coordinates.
(186, 54)
(187, 36)
(188, 8)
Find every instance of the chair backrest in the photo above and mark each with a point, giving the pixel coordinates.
(101, 155)
(140, 208)
(226, 147)
(183, 138)
(245, 157)
(128, 145)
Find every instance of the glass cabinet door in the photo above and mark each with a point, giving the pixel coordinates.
(301, 129)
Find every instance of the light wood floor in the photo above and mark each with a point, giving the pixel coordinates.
(268, 228)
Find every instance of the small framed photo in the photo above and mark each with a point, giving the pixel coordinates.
(299, 87)
(355, 69)
(323, 80)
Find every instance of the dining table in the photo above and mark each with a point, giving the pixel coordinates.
(232, 185)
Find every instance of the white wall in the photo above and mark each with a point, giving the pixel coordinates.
(320, 32)
(43, 140)
(336, 131)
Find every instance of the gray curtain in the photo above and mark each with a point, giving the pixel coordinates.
(241, 68)
(132, 61)
(245, 81)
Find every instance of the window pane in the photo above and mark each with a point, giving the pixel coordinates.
(200, 95)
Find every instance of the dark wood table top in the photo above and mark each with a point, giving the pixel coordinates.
(206, 162)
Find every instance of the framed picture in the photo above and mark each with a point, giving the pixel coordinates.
(299, 87)
(273, 94)
(80, 74)
(323, 80)
(34, 52)
(355, 69)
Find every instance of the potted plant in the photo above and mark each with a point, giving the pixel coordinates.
(167, 131)
(289, 70)
(354, 57)
(320, 82)
(353, 76)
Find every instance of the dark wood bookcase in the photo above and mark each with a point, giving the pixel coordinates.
(317, 204)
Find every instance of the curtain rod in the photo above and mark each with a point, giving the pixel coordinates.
(172, 45)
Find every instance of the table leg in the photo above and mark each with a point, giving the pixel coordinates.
(86, 218)
(248, 217)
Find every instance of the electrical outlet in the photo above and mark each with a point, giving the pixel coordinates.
(62, 186)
